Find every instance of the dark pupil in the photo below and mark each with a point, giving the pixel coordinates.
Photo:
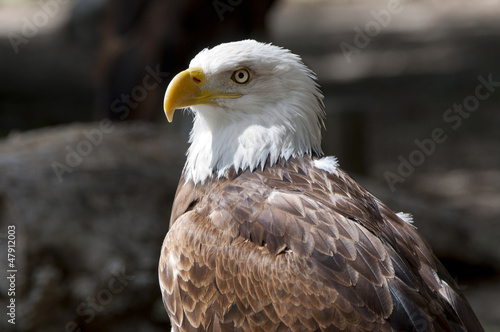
(241, 75)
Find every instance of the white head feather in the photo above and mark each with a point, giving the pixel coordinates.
(279, 115)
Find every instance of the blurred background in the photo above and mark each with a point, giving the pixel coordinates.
(89, 164)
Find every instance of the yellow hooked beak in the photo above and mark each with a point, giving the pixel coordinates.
(186, 89)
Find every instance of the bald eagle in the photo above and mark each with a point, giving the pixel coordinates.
(268, 234)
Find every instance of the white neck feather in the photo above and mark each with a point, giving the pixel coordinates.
(224, 139)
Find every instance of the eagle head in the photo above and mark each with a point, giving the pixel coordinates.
(253, 103)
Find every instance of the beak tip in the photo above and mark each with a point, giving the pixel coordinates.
(170, 115)
(168, 107)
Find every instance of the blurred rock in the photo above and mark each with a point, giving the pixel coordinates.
(88, 242)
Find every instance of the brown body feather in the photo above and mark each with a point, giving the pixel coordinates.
(295, 248)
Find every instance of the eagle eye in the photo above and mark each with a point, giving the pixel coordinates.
(241, 76)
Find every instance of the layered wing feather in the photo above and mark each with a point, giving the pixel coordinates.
(296, 248)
